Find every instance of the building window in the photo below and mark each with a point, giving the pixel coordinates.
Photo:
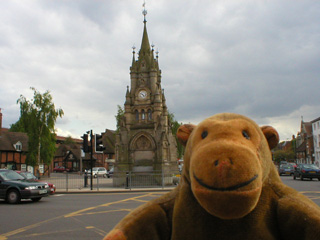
(143, 115)
(137, 115)
(18, 146)
(149, 114)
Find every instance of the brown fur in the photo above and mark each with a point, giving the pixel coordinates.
(229, 189)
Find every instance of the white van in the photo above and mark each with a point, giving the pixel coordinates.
(98, 171)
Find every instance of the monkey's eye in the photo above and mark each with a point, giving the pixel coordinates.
(204, 134)
(245, 134)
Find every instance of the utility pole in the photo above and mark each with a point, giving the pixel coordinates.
(91, 160)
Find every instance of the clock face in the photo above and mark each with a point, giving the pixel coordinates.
(142, 94)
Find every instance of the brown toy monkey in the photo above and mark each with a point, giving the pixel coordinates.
(229, 189)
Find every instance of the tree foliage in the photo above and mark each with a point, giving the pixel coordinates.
(37, 119)
(283, 155)
(119, 116)
(69, 141)
(174, 127)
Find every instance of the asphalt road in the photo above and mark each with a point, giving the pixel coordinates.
(68, 216)
(89, 215)
(310, 188)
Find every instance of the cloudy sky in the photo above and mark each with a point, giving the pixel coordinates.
(257, 58)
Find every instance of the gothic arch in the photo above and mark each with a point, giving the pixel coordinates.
(142, 152)
(141, 141)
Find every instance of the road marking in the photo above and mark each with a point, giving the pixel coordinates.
(23, 229)
(78, 213)
(310, 192)
(89, 227)
(97, 230)
(139, 200)
(107, 211)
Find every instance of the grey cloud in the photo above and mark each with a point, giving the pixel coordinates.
(258, 58)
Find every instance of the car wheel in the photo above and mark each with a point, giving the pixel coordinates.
(294, 177)
(36, 199)
(301, 178)
(319, 179)
(13, 197)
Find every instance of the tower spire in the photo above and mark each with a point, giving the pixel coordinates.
(145, 45)
(144, 12)
(134, 55)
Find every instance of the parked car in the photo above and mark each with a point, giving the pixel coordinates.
(61, 169)
(110, 172)
(286, 169)
(176, 179)
(98, 171)
(306, 171)
(14, 187)
(283, 162)
(294, 165)
(32, 178)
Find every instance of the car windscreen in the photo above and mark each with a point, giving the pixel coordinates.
(287, 166)
(314, 167)
(93, 169)
(309, 166)
(11, 175)
(28, 175)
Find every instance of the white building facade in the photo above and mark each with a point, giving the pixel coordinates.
(316, 140)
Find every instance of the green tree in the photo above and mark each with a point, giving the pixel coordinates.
(174, 128)
(283, 155)
(119, 117)
(69, 141)
(37, 119)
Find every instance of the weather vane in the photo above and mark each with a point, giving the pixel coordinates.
(144, 11)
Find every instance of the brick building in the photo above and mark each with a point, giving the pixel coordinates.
(13, 148)
(304, 143)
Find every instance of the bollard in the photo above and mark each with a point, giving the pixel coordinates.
(85, 179)
(127, 180)
(97, 182)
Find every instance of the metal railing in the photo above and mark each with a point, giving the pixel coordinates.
(153, 179)
(128, 180)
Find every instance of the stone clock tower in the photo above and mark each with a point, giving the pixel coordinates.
(145, 142)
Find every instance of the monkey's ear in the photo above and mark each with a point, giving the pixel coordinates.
(184, 132)
(271, 135)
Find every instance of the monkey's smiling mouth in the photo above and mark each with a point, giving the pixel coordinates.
(231, 188)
